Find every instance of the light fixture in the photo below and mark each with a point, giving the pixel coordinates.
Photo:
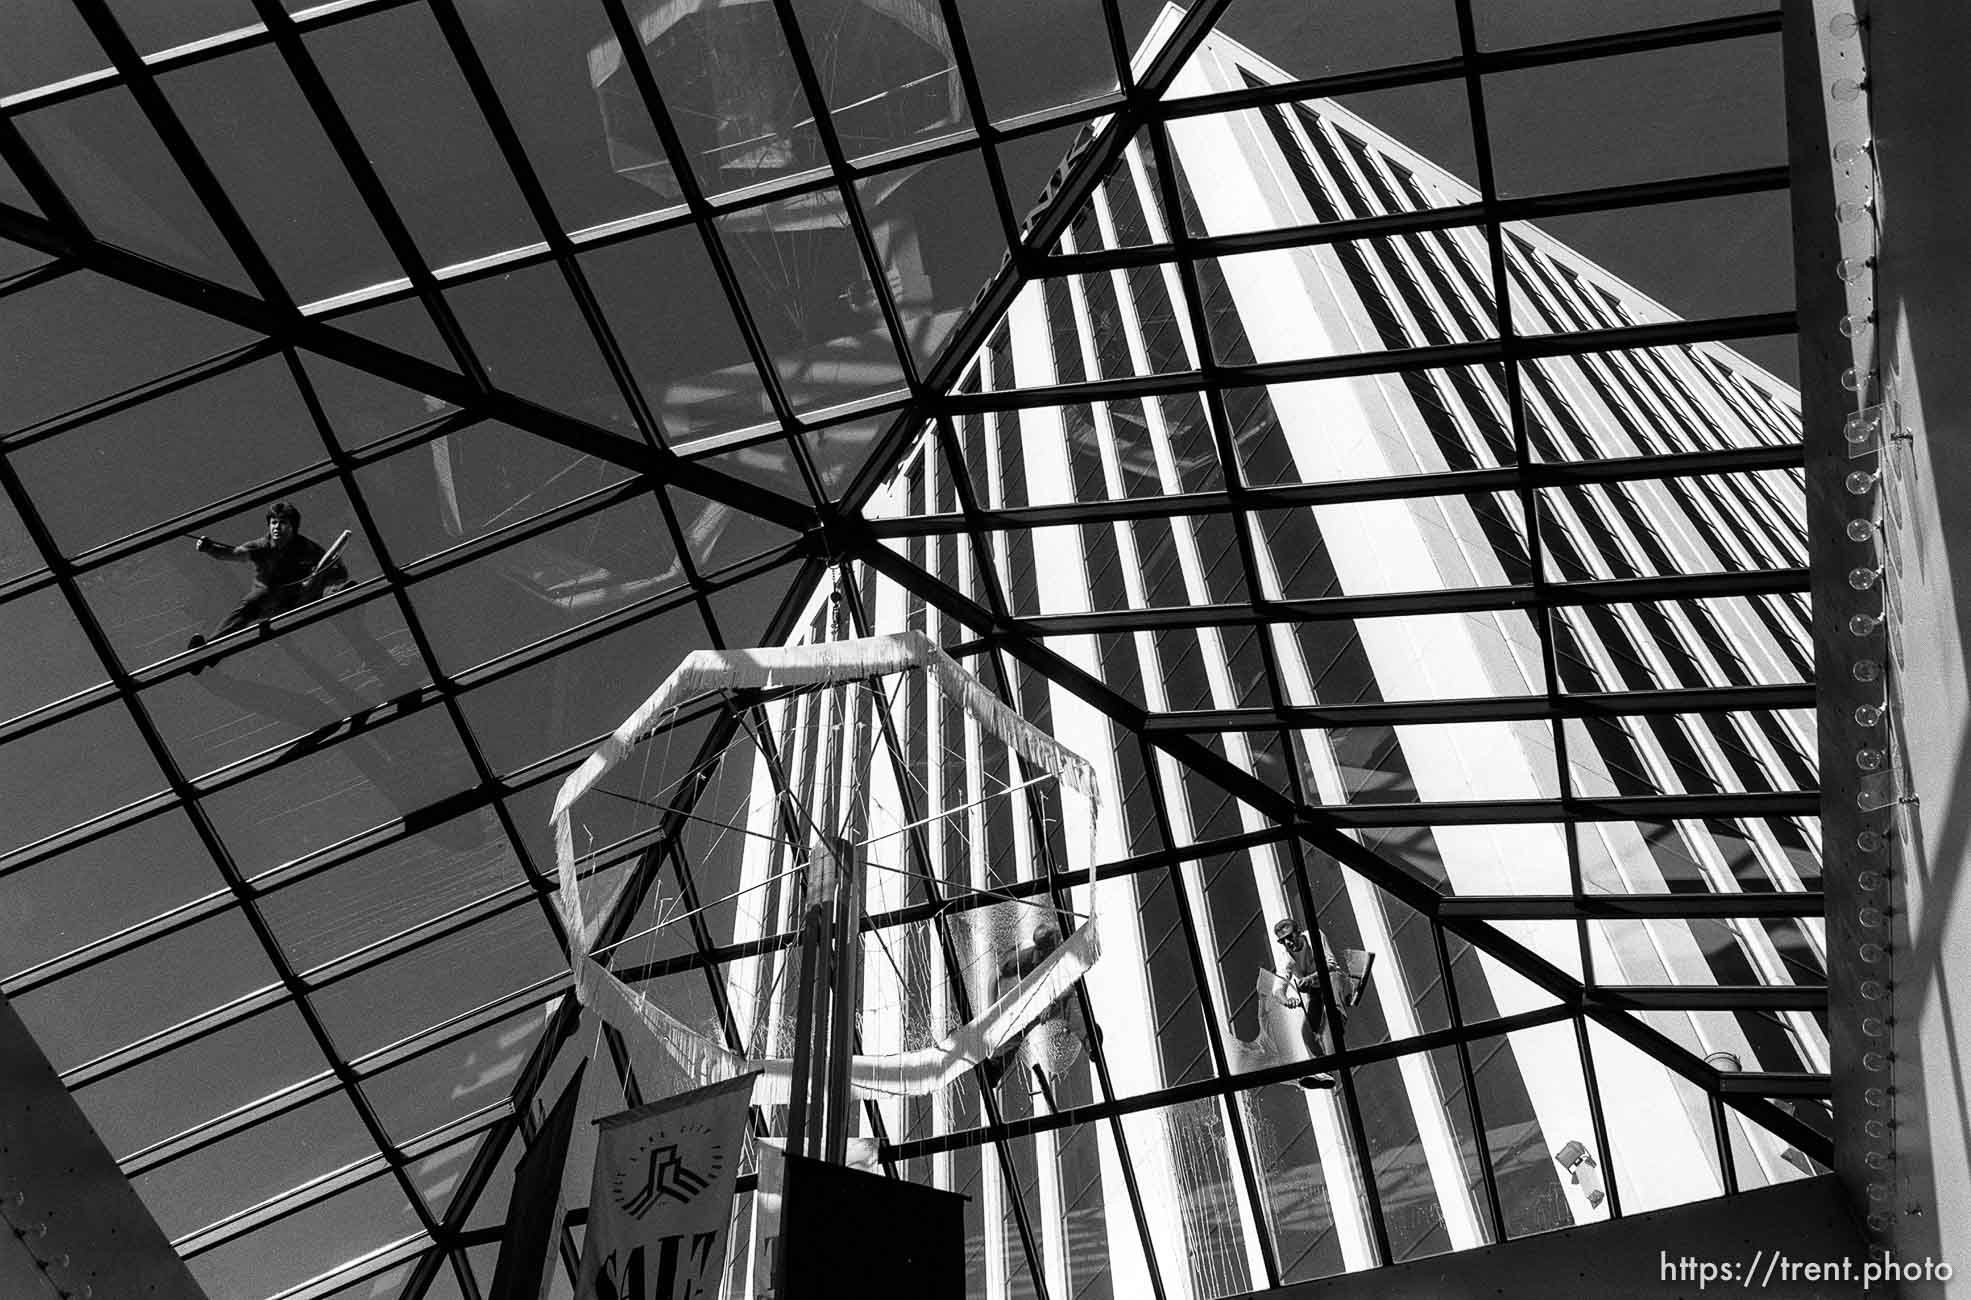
(1862, 481)
(1871, 758)
(1864, 624)
(1851, 269)
(1871, 841)
(1843, 25)
(1852, 324)
(1867, 670)
(1868, 715)
(1874, 1062)
(1862, 577)
(1872, 990)
(1849, 152)
(1847, 90)
(1871, 952)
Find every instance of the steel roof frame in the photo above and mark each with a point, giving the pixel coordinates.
(836, 533)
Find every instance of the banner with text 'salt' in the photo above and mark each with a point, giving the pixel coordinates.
(662, 1196)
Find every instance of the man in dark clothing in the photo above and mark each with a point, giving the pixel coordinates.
(1300, 982)
(287, 572)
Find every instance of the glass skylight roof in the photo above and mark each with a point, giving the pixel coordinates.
(610, 329)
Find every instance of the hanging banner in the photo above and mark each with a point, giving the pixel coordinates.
(533, 1212)
(767, 1202)
(662, 1196)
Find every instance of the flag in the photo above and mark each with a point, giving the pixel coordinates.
(662, 1196)
(767, 1203)
(533, 1214)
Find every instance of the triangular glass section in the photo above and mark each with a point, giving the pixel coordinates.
(403, 325)
(533, 343)
(363, 408)
(112, 167)
(719, 536)
(1126, 210)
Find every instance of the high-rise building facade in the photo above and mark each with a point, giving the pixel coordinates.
(1332, 590)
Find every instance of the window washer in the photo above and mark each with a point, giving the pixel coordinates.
(1300, 980)
(289, 570)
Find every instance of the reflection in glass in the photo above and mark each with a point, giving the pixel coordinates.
(390, 890)
(545, 584)
(453, 1081)
(814, 303)
(672, 320)
(373, 777)
(440, 978)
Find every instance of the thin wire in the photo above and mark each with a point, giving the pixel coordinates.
(983, 799)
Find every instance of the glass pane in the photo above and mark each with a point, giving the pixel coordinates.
(147, 989)
(886, 73)
(1194, 1195)
(1637, 117)
(536, 587)
(813, 302)
(1532, 1102)
(152, 28)
(83, 337)
(67, 773)
(1502, 23)
(467, 484)
(1668, 1158)
(249, 1167)
(151, 602)
(455, 1080)
(937, 233)
(268, 150)
(164, 457)
(49, 42)
(683, 344)
(1374, 547)
(729, 83)
(581, 693)
(409, 106)
(390, 890)
(305, 682)
(18, 554)
(98, 888)
(207, 1077)
(584, 131)
(442, 978)
(534, 343)
(49, 657)
(115, 170)
(1031, 58)
(372, 778)
(362, 408)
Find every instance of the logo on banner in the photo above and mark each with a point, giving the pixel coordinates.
(661, 1200)
(678, 1167)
